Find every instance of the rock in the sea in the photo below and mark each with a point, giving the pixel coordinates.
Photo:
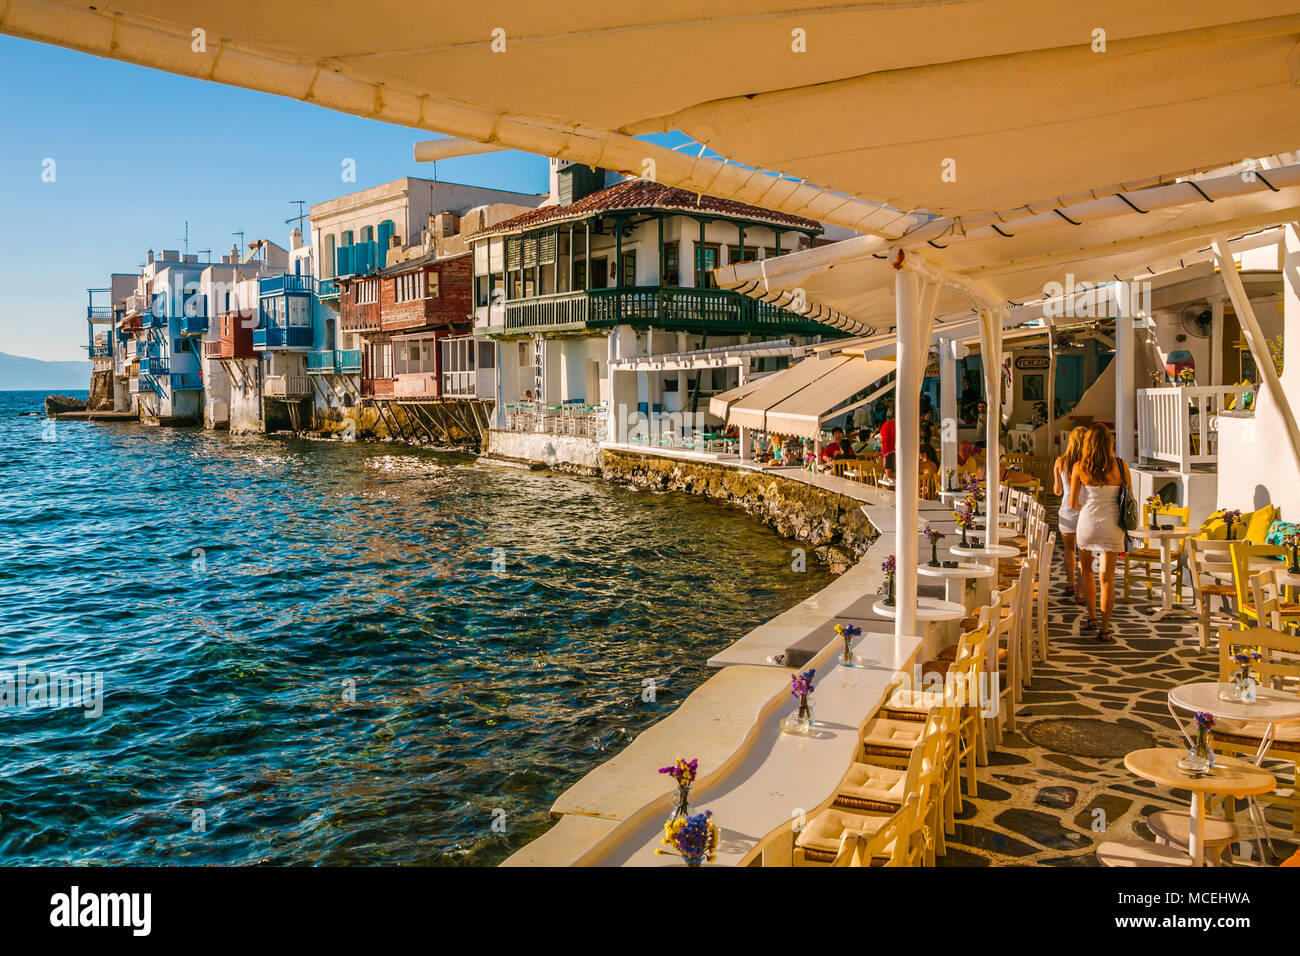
(54, 404)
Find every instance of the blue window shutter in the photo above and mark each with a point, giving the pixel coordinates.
(385, 239)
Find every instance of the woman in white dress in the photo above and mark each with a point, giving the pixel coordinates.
(1067, 518)
(1095, 481)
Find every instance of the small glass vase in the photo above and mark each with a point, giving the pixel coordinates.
(693, 860)
(934, 554)
(801, 723)
(1295, 561)
(1247, 686)
(681, 801)
(847, 658)
(1200, 758)
(889, 591)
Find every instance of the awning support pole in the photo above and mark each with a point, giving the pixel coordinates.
(913, 325)
(1269, 380)
(947, 409)
(991, 359)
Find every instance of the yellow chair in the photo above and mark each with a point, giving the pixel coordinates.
(1146, 555)
(1247, 560)
(1270, 609)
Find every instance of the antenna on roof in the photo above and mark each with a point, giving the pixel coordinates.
(186, 240)
(301, 215)
(208, 251)
(240, 257)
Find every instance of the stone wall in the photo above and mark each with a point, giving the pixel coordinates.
(568, 453)
(834, 525)
(101, 390)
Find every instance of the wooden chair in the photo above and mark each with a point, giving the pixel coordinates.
(1203, 557)
(1247, 559)
(900, 841)
(1270, 609)
(929, 486)
(1279, 668)
(1146, 556)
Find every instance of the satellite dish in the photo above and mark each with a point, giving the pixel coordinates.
(1197, 320)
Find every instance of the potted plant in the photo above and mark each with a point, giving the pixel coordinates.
(684, 772)
(801, 686)
(1153, 502)
(888, 566)
(847, 632)
(694, 839)
(935, 536)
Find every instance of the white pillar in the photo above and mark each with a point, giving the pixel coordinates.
(1216, 342)
(907, 391)
(947, 407)
(1125, 395)
(746, 434)
(991, 359)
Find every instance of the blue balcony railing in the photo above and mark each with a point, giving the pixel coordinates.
(194, 325)
(320, 363)
(153, 320)
(100, 312)
(186, 382)
(279, 337)
(286, 283)
(153, 365)
(347, 361)
(101, 351)
(328, 289)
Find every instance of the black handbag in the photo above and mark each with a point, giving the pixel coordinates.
(1129, 516)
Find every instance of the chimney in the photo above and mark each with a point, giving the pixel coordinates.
(295, 239)
(234, 253)
(192, 259)
(171, 255)
(148, 257)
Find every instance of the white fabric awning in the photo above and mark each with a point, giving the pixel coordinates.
(720, 404)
(795, 401)
(1113, 238)
(995, 108)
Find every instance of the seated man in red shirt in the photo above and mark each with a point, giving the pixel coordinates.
(835, 449)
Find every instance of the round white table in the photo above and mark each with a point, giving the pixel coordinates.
(955, 581)
(1166, 537)
(1271, 706)
(936, 615)
(952, 497)
(988, 554)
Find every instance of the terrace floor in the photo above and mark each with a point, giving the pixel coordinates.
(1088, 706)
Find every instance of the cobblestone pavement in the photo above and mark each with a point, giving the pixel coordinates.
(1058, 786)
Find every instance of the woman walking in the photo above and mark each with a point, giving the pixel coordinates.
(1067, 518)
(1095, 481)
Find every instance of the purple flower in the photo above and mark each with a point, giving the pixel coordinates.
(934, 534)
(847, 630)
(1205, 721)
(802, 684)
(888, 565)
(683, 771)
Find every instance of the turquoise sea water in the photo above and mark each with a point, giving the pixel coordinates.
(329, 653)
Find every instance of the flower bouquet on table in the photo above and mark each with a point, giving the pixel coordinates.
(1245, 686)
(801, 685)
(965, 519)
(847, 632)
(974, 493)
(1153, 502)
(888, 566)
(1230, 518)
(694, 839)
(1292, 542)
(935, 536)
(1187, 376)
(684, 772)
(1200, 758)
(1157, 378)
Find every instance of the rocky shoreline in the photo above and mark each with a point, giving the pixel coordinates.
(832, 524)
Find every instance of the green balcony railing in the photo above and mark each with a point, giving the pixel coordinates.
(661, 306)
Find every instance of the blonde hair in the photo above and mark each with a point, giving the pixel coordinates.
(1097, 456)
(1073, 447)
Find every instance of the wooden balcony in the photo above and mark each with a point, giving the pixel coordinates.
(669, 308)
(289, 387)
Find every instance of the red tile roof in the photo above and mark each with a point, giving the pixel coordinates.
(644, 194)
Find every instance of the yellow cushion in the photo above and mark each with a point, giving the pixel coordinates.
(1257, 524)
(1214, 528)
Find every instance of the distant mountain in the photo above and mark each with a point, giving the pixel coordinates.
(18, 372)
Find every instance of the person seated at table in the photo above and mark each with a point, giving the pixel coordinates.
(732, 433)
(833, 449)
(929, 460)
(889, 468)
(861, 443)
(528, 395)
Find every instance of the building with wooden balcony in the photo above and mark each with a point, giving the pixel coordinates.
(615, 268)
(358, 240)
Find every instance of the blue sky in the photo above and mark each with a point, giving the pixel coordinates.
(137, 153)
